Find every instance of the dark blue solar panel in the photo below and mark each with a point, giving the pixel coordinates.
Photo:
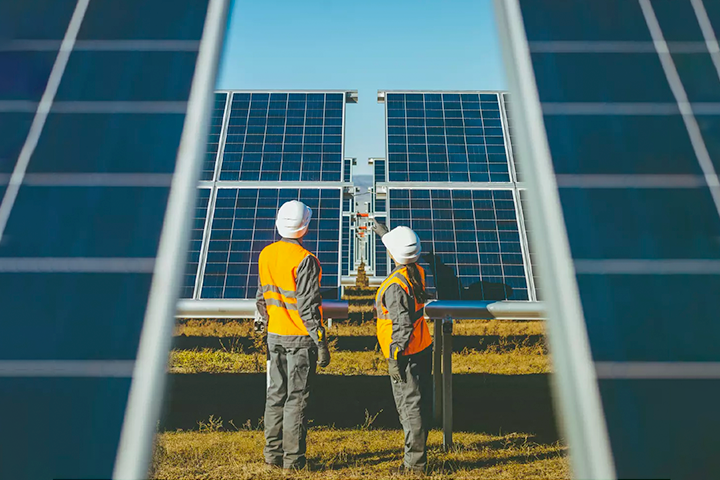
(445, 137)
(14, 128)
(470, 239)
(284, 136)
(531, 250)
(346, 240)
(347, 170)
(381, 255)
(201, 211)
(379, 170)
(216, 123)
(641, 221)
(78, 252)
(380, 205)
(244, 224)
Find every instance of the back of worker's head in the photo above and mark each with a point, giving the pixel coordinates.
(404, 247)
(403, 244)
(293, 219)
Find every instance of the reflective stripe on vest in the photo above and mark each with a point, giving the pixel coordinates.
(420, 338)
(278, 265)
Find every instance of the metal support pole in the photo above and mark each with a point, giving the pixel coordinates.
(437, 372)
(447, 331)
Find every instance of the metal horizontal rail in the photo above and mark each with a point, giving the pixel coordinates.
(244, 308)
(338, 309)
(485, 310)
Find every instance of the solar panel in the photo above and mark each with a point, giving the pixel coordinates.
(381, 255)
(93, 102)
(196, 240)
(379, 170)
(284, 136)
(527, 228)
(470, 239)
(244, 223)
(347, 170)
(627, 94)
(214, 136)
(445, 137)
(346, 240)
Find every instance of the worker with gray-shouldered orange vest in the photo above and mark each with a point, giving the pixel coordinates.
(405, 341)
(290, 310)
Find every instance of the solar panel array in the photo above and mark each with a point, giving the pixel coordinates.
(474, 232)
(244, 224)
(267, 148)
(284, 136)
(629, 94)
(81, 218)
(445, 137)
(450, 178)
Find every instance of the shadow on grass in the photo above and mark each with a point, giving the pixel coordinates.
(482, 403)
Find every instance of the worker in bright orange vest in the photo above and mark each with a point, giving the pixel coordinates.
(290, 310)
(405, 341)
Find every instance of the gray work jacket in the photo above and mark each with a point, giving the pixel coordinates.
(309, 302)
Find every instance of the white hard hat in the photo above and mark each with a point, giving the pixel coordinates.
(403, 244)
(293, 219)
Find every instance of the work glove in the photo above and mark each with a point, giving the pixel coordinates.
(394, 370)
(323, 351)
(258, 323)
(380, 229)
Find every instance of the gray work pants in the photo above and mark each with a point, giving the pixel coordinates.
(291, 371)
(413, 399)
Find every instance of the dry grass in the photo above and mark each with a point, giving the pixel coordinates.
(243, 328)
(354, 454)
(497, 359)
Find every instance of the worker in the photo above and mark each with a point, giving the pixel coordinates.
(290, 310)
(405, 341)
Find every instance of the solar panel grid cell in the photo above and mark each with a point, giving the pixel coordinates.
(445, 137)
(286, 137)
(244, 223)
(196, 240)
(473, 232)
(216, 125)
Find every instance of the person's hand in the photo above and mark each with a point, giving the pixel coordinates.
(323, 351)
(380, 228)
(394, 370)
(323, 355)
(259, 325)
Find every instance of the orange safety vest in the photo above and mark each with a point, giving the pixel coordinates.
(420, 338)
(278, 266)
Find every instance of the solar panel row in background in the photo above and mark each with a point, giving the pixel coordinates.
(632, 125)
(284, 136)
(196, 240)
(244, 224)
(470, 239)
(346, 239)
(441, 137)
(77, 254)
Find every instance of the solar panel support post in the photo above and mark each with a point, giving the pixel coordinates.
(437, 372)
(447, 400)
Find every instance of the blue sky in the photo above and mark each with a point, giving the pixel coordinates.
(364, 45)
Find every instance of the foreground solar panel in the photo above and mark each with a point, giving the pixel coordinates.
(244, 223)
(470, 238)
(81, 220)
(620, 131)
(445, 137)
